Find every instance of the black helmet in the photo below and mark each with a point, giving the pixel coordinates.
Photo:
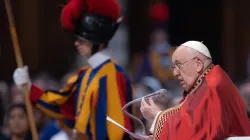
(95, 28)
(92, 20)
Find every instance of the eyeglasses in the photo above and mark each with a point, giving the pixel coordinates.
(180, 65)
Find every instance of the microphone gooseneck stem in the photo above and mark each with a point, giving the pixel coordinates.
(133, 117)
(137, 100)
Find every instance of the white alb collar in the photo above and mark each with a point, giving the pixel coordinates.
(98, 58)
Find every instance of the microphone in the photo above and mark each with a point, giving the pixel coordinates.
(155, 95)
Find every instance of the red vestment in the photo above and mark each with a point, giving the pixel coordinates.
(213, 111)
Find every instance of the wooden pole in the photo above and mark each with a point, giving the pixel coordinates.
(20, 64)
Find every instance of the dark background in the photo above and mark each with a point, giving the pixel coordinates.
(223, 25)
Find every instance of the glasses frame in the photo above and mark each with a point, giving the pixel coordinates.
(180, 65)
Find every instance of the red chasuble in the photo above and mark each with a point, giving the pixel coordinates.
(212, 110)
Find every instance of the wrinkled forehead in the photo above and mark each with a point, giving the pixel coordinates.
(180, 55)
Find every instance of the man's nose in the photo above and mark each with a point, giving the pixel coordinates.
(176, 72)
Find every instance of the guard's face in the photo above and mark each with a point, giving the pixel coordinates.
(184, 68)
(84, 47)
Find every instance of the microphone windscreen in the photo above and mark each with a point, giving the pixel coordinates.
(158, 94)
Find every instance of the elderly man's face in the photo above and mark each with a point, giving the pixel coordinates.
(185, 67)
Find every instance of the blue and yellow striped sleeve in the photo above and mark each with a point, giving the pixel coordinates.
(57, 104)
(50, 101)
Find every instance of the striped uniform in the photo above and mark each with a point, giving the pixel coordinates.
(94, 93)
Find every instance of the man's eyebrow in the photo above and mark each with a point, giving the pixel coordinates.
(176, 61)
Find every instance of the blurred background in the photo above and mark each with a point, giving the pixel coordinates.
(142, 46)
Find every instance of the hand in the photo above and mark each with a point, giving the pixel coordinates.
(149, 111)
(21, 77)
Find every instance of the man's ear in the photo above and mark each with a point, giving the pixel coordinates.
(200, 66)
